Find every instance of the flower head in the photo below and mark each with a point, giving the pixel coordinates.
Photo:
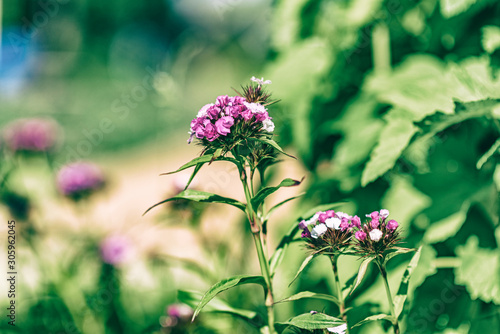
(79, 179)
(115, 249)
(377, 235)
(327, 232)
(31, 135)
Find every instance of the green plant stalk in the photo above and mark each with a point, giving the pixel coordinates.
(261, 254)
(395, 323)
(334, 259)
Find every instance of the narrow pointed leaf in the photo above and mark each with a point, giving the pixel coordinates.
(361, 272)
(201, 196)
(312, 321)
(374, 318)
(399, 251)
(206, 158)
(493, 149)
(275, 145)
(303, 266)
(192, 298)
(309, 294)
(400, 298)
(266, 191)
(279, 253)
(193, 174)
(277, 206)
(226, 284)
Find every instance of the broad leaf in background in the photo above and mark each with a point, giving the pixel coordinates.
(491, 38)
(202, 196)
(447, 227)
(311, 321)
(394, 138)
(226, 284)
(479, 271)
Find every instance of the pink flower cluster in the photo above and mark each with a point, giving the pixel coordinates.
(322, 221)
(215, 120)
(377, 228)
(77, 178)
(34, 135)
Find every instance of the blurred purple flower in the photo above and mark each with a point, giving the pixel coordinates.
(78, 178)
(115, 249)
(35, 135)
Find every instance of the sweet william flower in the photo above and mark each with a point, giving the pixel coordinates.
(268, 125)
(318, 231)
(375, 234)
(31, 135)
(360, 235)
(374, 223)
(356, 221)
(392, 225)
(204, 109)
(260, 81)
(384, 213)
(224, 124)
(333, 222)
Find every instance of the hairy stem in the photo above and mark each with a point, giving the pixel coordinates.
(395, 323)
(334, 259)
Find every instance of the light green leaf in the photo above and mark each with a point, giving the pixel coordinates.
(279, 253)
(479, 271)
(493, 149)
(303, 266)
(398, 251)
(447, 227)
(207, 158)
(312, 321)
(400, 298)
(309, 294)
(275, 145)
(491, 38)
(266, 191)
(361, 272)
(192, 298)
(201, 196)
(374, 318)
(450, 8)
(193, 174)
(226, 284)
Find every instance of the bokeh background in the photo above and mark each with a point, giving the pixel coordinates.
(387, 104)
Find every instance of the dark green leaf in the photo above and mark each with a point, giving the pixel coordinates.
(195, 171)
(309, 294)
(192, 298)
(303, 266)
(400, 298)
(207, 158)
(374, 318)
(493, 149)
(226, 284)
(266, 191)
(279, 253)
(201, 196)
(312, 321)
(399, 250)
(275, 145)
(361, 272)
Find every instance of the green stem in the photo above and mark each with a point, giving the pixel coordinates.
(261, 254)
(334, 259)
(395, 323)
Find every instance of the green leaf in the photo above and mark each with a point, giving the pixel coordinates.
(479, 271)
(400, 298)
(361, 272)
(322, 207)
(201, 196)
(374, 318)
(226, 284)
(450, 8)
(490, 38)
(493, 149)
(309, 294)
(271, 210)
(395, 137)
(303, 266)
(266, 191)
(193, 174)
(192, 298)
(312, 321)
(399, 250)
(207, 158)
(279, 253)
(447, 227)
(275, 145)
